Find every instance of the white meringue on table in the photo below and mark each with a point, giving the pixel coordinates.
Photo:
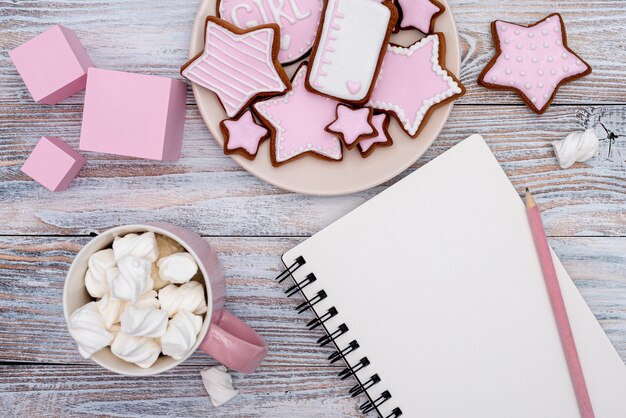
(177, 268)
(142, 246)
(576, 147)
(144, 322)
(139, 350)
(110, 308)
(130, 279)
(181, 335)
(219, 385)
(96, 279)
(87, 327)
(148, 300)
(189, 297)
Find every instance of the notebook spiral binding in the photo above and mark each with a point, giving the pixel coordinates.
(372, 403)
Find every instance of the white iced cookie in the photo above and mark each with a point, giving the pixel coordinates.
(148, 300)
(110, 309)
(87, 327)
(142, 246)
(177, 268)
(139, 350)
(168, 246)
(96, 278)
(219, 385)
(144, 322)
(130, 279)
(181, 334)
(189, 297)
(576, 147)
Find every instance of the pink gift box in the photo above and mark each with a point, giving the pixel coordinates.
(53, 164)
(133, 115)
(53, 65)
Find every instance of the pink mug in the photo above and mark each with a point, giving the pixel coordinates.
(223, 336)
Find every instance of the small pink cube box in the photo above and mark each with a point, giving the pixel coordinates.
(53, 65)
(53, 164)
(134, 115)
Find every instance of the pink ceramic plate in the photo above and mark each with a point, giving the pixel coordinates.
(316, 177)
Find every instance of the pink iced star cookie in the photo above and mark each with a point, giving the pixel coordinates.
(383, 139)
(419, 14)
(243, 136)
(414, 82)
(353, 125)
(297, 121)
(238, 65)
(533, 61)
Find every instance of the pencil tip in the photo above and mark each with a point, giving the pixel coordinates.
(527, 190)
(530, 201)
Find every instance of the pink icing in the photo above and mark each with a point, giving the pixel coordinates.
(299, 118)
(418, 14)
(298, 21)
(245, 133)
(412, 81)
(352, 123)
(379, 123)
(533, 60)
(236, 67)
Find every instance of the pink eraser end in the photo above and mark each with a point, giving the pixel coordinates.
(53, 65)
(53, 164)
(134, 115)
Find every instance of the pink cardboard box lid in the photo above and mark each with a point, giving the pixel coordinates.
(53, 65)
(133, 115)
(53, 164)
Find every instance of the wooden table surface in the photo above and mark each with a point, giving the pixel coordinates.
(252, 223)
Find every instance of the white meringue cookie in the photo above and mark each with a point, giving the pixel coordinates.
(110, 309)
(189, 297)
(168, 246)
(87, 327)
(144, 322)
(142, 246)
(148, 300)
(96, 279)
(177, 268)
(181, 335)
(130, 279)
(219, 385)
(139, 350)
(576, 147)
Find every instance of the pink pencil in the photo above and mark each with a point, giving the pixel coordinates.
(558, 307)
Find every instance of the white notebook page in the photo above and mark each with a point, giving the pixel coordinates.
(438, 280)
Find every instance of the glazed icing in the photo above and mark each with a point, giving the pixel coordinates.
(236, 68)
(297, 19)
(418, 14)
(576, 147)
(245, 133)
(383, 137)
(352, 124)
(299, 118)
(412, 81)
(346, 59)
(533, 60)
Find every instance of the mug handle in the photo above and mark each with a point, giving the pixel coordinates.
(234, 344)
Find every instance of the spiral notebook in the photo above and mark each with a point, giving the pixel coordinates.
(433, 297)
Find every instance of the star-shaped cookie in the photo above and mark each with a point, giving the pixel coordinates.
(297, 121)
(243, 136)
(353, 125)
(533, 61)
(413, 82)
(383, 139)
(419, 14)
(238, 65)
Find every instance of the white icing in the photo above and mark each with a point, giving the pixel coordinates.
(87, 327)
(143, 246)
(96, 278)
(130, 279)
(576, 147)
(177, 268)
(189, 297)
(110, 308)
(144, 322)
(219, 385)
(139, 350)
(181, 335)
